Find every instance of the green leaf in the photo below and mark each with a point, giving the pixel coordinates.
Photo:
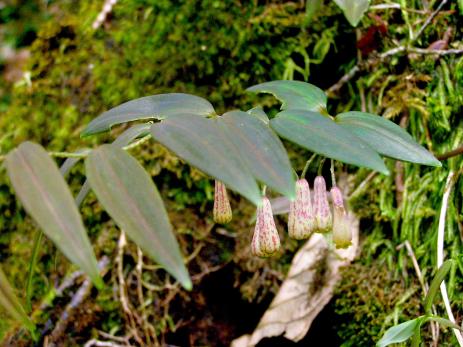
(46, 197)
(353, 9)
(261, 150)
(12, 305)
(149, 107)
(294, 94)
(129, 195)
(132, 133)
(386, 137)
(400, 333)
(203, 143)
(258, 112)
(444, 322)
(321, 135)
(435, 284)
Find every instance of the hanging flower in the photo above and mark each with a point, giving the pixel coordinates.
(301, 220)
(222, 208)
(265, 241)
(323, 220)
(342, 233)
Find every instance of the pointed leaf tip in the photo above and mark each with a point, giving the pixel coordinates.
(386, 137)
(44, 194)
(130, 197)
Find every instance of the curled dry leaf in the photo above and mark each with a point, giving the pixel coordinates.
(301, 297)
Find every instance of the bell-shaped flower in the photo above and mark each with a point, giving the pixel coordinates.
(323, 220)
(266, 240)
(342, 233)
(222, 208)
(301, 219)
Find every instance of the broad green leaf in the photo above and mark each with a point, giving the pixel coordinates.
(204, 144)
(386, 137)
(400, 333)
(132, 133)
(261, 150)
(435, 284)
(258, 112)
(294, 94)
(149, 107)
(321, 135)
(46, 197)
(353, 9)
(129, 195)
(11, 303)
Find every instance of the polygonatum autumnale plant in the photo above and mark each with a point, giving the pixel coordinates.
(240, 150)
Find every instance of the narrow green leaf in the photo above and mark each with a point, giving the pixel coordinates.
(445, 322)
(149, 107)
(400, 333)
(386, 137)
(46, 197)
(11, 303)
(321, 135)
(32, 265)
(261, 150)
(435, 284)
(294, 94)
(353, 9)
(204, 144)
(129, 195)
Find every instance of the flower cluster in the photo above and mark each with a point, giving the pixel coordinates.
(306, 216)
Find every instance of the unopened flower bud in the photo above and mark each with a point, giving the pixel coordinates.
(301, 220)
(222, 208)
(323, 220)
(342, 234)
(265, 241)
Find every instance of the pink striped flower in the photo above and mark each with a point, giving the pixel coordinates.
(323, 220)
(342, 234)
(222, 208)
(301, 219)
(265, 241)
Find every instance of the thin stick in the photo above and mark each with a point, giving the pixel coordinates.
(429, 19)
(333, 177)
(424, 287)
(440, 251)
(450, 154)
(307, 164)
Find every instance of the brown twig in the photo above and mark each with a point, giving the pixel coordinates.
(450, 154)
(76, 301)
(429, 19)
(424, 287)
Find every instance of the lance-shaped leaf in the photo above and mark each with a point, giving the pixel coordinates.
(386, 137)
(46, 197)
(261, 150)
(149, 107)
(353, 9)
(401, 332)
(294, 94)
(11, 304)
(129, 195)
(321, 135)
(203, 143)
